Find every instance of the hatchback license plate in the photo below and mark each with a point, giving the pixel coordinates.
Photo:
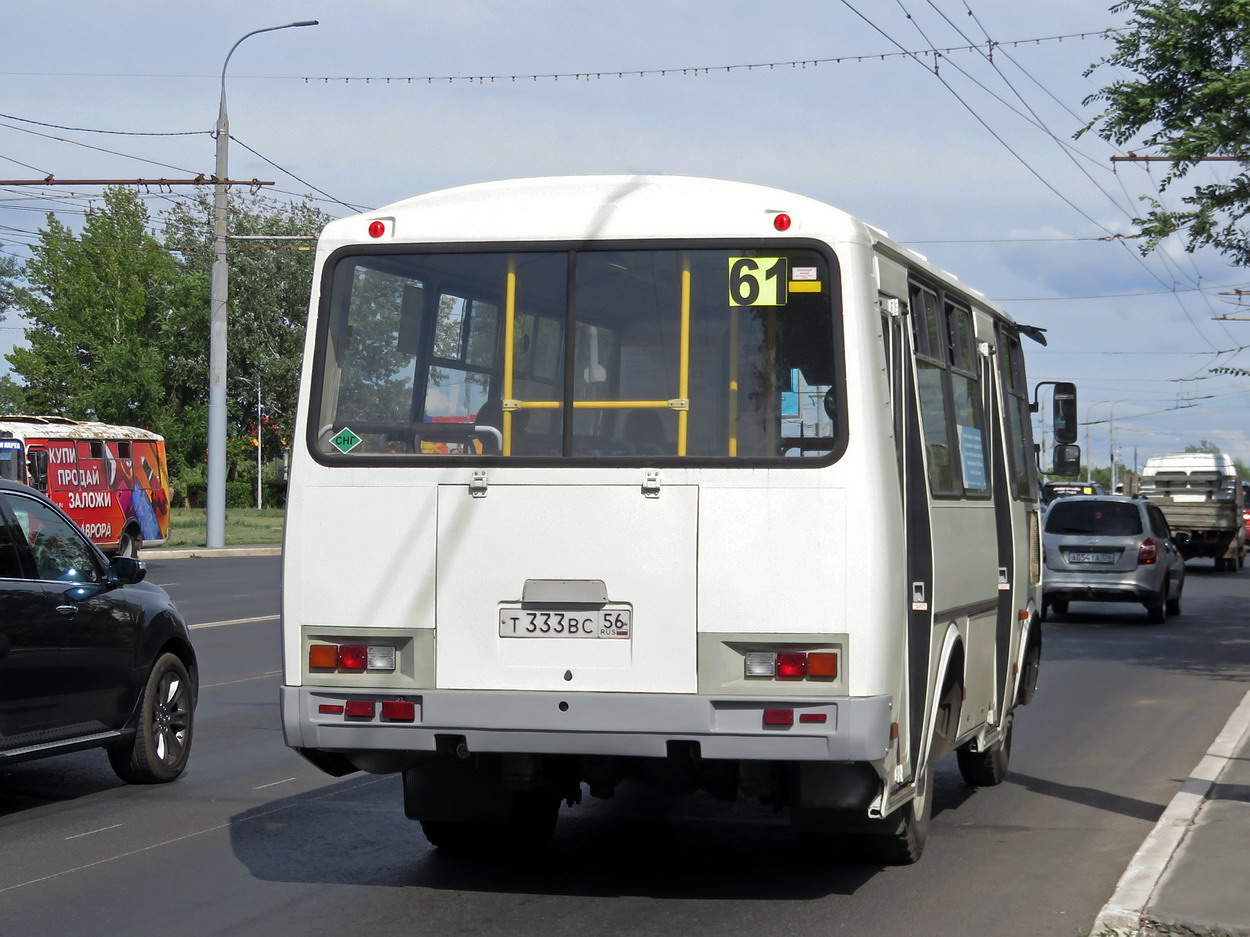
(565, 623)
(1091, 558)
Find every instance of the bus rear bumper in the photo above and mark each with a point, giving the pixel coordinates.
(638, 724)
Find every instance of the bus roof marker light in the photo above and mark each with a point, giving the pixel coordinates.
(377, 229)
(781, 221)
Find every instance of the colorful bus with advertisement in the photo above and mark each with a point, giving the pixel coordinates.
(111, 480)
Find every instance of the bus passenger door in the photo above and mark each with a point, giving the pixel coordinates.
(37, 466)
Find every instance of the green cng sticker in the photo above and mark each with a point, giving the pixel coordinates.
(345, 440)
(758, 281)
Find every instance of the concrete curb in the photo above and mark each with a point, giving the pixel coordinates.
(1123, 913)
(184, 553)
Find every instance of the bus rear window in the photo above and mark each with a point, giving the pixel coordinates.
(725, 353)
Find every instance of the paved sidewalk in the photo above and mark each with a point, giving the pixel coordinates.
(1191, 876)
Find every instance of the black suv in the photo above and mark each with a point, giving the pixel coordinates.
(91, 656)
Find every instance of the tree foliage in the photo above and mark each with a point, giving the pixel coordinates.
(1186, 97)
(117, 323)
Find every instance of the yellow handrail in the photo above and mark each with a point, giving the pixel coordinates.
(509, 338)
(683, 393)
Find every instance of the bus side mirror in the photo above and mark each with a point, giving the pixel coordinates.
(1067, 461)
(1063, 413)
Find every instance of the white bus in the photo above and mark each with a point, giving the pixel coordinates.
(626, 478)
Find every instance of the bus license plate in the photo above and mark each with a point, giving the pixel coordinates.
(1091, 558)
(565, 623)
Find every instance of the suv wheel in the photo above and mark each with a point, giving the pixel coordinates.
(162, 742)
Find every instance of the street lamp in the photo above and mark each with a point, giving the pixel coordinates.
(215, 529)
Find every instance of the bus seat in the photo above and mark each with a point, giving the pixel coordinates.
(490, 414)
(645, 430)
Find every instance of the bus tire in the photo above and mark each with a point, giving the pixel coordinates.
(986, 768)
(130, 543)
(905, 844)
(161, 745)
(529, 829)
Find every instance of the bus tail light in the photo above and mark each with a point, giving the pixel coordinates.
(352, 658)
(360, 708)
(791, 665)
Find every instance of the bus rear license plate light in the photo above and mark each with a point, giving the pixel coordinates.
(360, 708)
(399, 710)
(778, 717)
(353, 657)
(761, 664)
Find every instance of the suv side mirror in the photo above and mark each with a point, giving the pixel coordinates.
(124, 570)
(1067, 461)
(1063, 413)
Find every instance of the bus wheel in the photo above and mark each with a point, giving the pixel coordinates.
(533, 820)
(986, 768)
(904, 845)
(130, 543)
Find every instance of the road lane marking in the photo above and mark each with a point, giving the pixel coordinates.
(273, 784)
(267, 673)
(234, 621)
(93, 832)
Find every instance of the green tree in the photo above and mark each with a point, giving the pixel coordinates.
(269, 290)
(1185, 97)
(96, 318)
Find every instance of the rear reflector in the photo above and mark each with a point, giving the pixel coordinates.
(330, 709)
(813, 717)
(360, 707)
(778, 717)
(399, 710)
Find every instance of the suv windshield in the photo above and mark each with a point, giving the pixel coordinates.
(1108, 518)
(723, 353)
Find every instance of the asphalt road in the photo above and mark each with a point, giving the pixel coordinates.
(252, 841)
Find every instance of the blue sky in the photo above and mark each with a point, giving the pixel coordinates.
(973, 165)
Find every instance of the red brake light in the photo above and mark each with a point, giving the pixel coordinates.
(791, 665)
(1148, 552)
(353, 657)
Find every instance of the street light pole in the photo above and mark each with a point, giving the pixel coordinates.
(215, 528)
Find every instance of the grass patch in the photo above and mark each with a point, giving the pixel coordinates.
(244, 526)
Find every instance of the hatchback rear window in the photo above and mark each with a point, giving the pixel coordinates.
(1107, 518)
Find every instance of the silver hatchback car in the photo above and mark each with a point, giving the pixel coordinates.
(1111, 549)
